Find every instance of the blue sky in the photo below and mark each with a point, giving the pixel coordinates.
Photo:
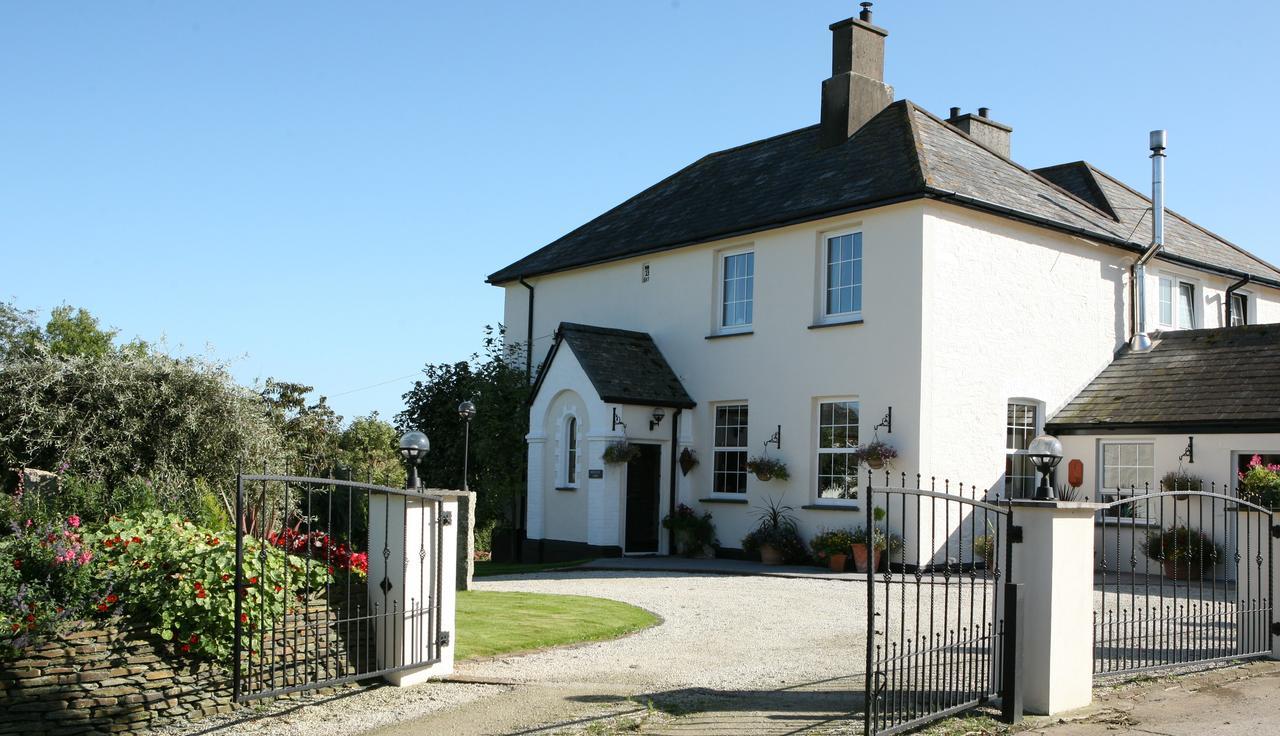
(316, 191)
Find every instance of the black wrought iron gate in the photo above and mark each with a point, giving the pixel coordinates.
(941, 614)
(1181, 578)
(322, 572)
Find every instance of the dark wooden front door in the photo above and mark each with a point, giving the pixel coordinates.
(643, 505)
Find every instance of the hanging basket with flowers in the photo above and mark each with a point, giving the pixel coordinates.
(876, 454)
(616, 453)
(766, 468)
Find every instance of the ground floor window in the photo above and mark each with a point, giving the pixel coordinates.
(1127, 469)
(1021, 423)
(837, 445)
(729, 470)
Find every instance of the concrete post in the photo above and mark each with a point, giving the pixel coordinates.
(466, 539)
(404, 583)
(1054, 564)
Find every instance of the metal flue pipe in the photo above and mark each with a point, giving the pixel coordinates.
(1141, 342)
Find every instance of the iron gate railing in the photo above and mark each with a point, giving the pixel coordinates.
(941, 614)
(1182, 577)
(320, 567)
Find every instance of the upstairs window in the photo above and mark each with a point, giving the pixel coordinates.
(1177, 303)
(837, 443)
(737, 290)
(1021, 425)
(1239, 310)
(729, 471)
(843, 276)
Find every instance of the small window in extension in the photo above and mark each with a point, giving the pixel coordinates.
(571, 452)
(1239, 310)
(1177, 303)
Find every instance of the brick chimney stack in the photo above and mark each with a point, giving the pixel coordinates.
(856, 90)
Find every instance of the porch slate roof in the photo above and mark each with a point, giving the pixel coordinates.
(901, 154)
(625, 367)
(1223, 379)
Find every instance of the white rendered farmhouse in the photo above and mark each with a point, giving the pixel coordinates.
(884, 274)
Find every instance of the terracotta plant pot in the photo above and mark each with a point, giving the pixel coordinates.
(764, 475)
(837, 562)
(860, 558)
(1182, 570)
(875, 463)
(770, 555)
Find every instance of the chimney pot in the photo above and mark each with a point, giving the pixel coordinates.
(865, 15)
(955, 113)
(984, 112)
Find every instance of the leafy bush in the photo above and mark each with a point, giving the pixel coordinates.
(1181, 544)
(46, 577)
(317, 545)
(1260, 484)
(694, 532)
(832, 542)
(179, 578)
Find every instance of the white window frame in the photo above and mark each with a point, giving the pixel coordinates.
(721, 257)
(824, 248)
(1243, 296)
(1175, 283)
(570, 454)
(1105, 493)
(744, 448)
(1036, 429)
(819, 451)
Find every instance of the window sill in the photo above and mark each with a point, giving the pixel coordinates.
(715, 499)
(566, 488)
(719, 335)
(1126, 521)
(828, 507)
(836, 323)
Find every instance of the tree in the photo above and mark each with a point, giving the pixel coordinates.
(368, 450)
(16, 328)
(310, 430)
(496, 382)
(72, 331)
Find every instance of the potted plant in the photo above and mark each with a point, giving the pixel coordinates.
(1260, 484)
(834, 547)
(695, 534)
(876, 454)
(776, 538)
(1183, 552)
(867, 548)
(620, 452)
(766, 468)
(1179, 480)
(985, 547)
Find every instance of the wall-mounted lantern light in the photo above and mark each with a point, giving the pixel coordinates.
(658, 414)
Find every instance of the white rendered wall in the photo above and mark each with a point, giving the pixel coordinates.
(1263, 301)
(781, 370)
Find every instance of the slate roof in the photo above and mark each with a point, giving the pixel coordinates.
(625, 367)
(1220, 379)
(902, 153)
(1183, 238)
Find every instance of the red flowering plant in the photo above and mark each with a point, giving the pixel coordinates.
(1260, 484)
(338, 556)
(46, 578)
(180, 578)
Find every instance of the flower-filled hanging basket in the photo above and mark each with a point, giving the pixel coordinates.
(876, 454)
(617, 453)
(766, 468)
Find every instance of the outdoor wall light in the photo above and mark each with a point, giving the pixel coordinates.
(658, 414)
(1045, 452)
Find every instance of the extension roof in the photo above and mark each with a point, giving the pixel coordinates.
(624, 367)
(902, 153)
(1216, 380)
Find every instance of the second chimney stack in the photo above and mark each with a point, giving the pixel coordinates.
(856, 90)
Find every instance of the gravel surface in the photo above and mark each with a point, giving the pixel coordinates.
(350, 711)
(718, 631)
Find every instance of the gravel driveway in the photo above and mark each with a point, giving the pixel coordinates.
(720, 632)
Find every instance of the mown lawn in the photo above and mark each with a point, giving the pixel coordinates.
(491, 622)
(486, 568)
